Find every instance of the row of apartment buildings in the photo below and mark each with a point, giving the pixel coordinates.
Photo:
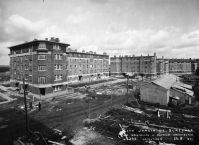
(48, 66)
(151, 65)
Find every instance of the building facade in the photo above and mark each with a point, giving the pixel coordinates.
(151, 65)
(47, 66)
(182, 66)
(134, 64)
(88, 66)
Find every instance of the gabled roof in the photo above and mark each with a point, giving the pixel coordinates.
(166, 81)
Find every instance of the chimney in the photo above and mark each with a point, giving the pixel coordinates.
(46, 39)
(56, 39)
(52, 39)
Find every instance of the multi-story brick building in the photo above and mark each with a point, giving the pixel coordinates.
(182, 66)
(134, 64)
(147, 65)
(88, 66)
(162, 66)
(48, 66)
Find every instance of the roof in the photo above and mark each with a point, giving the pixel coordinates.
(35, 41)
(166, 81)
(179, 60)
(87, 53)
(182, 89)
(184, 85)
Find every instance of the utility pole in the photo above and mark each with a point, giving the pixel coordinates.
(86, 87)
(89, 108)
(127, 89)
(26, 112)
(112, 99)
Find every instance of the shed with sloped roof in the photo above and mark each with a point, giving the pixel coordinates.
(158, 91)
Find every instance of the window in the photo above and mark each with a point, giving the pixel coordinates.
(42, 80)
(41, 68)
(25, 57)
(42, 46)
(30, 50)
(26, 77)
(56, 47)
(58, 56)
(58, 77)
(41, 57)
(26, 67)
(58, 67)
(57, 88)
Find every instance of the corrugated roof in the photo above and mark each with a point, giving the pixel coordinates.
(166, 81)
(184, 85)
(186, 91)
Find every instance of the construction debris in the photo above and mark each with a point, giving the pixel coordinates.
(55, 143)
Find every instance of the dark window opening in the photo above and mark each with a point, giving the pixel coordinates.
(26, 86)
(98, 76)
(17, 84)
(42, 91)
(80, 78)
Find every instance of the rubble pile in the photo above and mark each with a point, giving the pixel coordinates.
(121, 123)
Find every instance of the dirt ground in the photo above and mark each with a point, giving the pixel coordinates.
(63, 113)
(68, 114)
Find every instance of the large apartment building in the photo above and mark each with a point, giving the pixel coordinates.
(182, 66)
(48, 66)
(87, 66)
(147, 65)
(162, 66)
(151, 65)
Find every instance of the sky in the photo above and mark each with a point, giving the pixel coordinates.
(119, 27)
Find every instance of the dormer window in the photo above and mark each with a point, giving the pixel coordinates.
(42, 46)
(56, 47)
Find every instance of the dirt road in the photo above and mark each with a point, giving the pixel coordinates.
(72, 115)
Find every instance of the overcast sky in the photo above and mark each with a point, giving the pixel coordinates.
(119, 27)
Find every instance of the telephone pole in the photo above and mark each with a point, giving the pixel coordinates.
(26, 112)
(127, 89)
